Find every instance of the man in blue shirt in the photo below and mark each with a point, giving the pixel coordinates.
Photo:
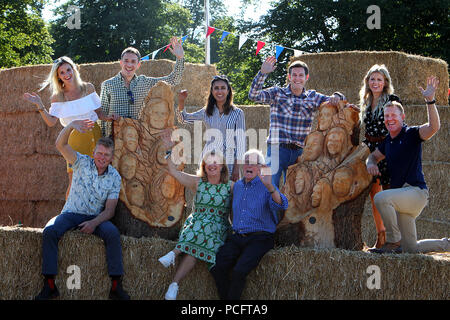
(403, 203)
(256, 203)
(89, 207)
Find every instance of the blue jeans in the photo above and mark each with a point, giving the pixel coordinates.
(279, 159)
(56, 228)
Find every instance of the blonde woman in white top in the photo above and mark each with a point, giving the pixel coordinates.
(71, 99)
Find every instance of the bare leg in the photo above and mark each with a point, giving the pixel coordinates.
(186, 265)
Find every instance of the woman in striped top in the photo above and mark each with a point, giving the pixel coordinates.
(219, 114)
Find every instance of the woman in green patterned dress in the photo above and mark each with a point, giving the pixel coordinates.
(205, 229)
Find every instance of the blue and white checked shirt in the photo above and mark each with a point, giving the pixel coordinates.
(291, 116)
(254, 209)
(89, 191)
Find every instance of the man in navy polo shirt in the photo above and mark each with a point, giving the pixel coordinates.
(403, 203)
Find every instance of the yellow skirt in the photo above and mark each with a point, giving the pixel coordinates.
(84, 143)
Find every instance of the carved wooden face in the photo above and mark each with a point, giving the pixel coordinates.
(135, 193)
(313, 146)
(168, 187)
(300, 181)
(335, 141)
(325, 118)
(342, 182)
(130, 138)
(159, 114)
(127, 166)
(316, 195)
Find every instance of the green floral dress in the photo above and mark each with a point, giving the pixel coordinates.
(205, 229)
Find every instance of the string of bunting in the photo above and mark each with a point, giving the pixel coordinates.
(242, 39)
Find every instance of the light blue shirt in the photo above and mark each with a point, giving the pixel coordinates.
(254, 209)
(89, 191)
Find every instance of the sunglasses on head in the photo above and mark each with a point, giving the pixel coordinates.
(393, 97)
(221, 77)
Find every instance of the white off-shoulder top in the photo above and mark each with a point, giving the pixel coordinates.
(80, 109)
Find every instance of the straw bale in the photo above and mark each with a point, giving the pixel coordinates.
(344, 72)
(437, 148)
(34, 214)
(26, 133)
(37, 177)
(284, 273)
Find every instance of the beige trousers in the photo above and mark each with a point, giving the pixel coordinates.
(399, 209)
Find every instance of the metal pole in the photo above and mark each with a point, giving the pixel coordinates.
(207, 43)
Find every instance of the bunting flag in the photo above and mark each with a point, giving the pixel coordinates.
(210, 31)
(259, 46)
(278, 51)
(224, 34)
(242, 40)
(167, 47)
(154, 53)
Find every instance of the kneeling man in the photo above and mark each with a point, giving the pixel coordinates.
(403, 203)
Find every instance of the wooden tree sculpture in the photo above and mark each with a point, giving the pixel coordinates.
(330, 173)
(148, 191)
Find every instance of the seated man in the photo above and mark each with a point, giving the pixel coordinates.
(89, 207)
(256, 202)
(403, 203)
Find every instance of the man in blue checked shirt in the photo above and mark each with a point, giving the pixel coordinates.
(89, 207)
(256, 203)
(292, 110)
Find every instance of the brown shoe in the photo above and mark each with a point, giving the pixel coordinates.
(389, 247)
(381, 240)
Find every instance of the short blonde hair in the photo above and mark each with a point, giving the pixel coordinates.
(395, 104)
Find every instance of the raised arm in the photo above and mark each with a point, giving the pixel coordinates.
(256, 92)
(62, 141)
(427, 130)
(35, 99)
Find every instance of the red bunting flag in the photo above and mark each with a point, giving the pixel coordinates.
(167, 47)
(259, 46)
(210, 30)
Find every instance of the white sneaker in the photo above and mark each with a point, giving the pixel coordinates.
(172, 292)
(168, 259)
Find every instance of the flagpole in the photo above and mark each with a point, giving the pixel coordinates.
(207, 43)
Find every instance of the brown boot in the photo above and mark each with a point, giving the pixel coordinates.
(381, 240)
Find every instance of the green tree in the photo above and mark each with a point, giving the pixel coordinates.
(24, 38)
(109, 26)
(418, 27)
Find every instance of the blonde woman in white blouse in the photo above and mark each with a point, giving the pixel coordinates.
(220, 114)
(71, 99)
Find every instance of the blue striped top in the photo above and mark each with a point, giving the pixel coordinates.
(253, 207)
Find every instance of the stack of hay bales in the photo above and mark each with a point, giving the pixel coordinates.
(34, 178)
(288, 273)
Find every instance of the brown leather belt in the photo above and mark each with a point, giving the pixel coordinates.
(374, 139)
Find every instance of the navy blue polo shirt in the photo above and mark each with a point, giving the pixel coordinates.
(404, 157)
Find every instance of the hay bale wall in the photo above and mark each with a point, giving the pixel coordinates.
(33, 173)
(344, 72)
(34, 178)
(284, 274)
